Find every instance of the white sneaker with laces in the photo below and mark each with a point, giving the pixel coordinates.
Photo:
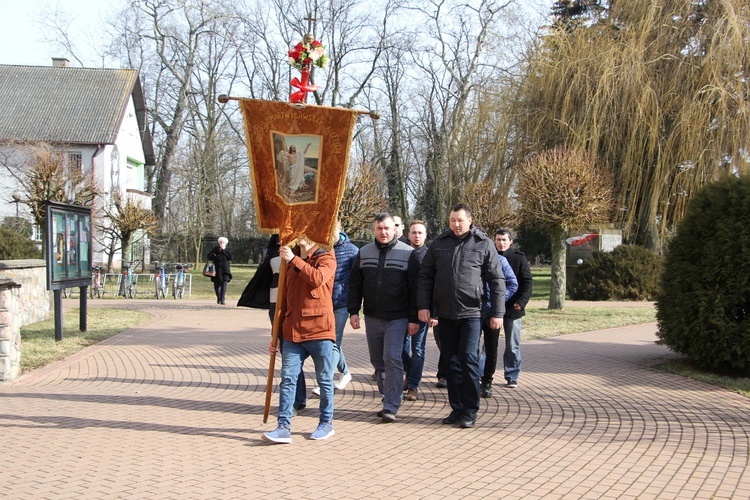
(316, 391)
(344, 381)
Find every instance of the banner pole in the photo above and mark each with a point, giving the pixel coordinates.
(374, 114)
(275, 337)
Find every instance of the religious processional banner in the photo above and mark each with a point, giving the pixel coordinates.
(299, 156)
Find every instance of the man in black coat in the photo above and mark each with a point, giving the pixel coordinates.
(450, 292)
(515, 308)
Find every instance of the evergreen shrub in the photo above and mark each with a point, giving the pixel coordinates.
(703, 307)
(629, 272)
(15, 245)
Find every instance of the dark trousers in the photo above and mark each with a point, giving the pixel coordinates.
(491, 343)
(220, 287)
(459, 341)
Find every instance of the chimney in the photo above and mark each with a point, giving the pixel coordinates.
(60, 62)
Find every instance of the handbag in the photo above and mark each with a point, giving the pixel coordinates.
(209, 269)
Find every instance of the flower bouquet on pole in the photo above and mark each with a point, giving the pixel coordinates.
(307, 53)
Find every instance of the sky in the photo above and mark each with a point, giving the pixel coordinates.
(24, 41)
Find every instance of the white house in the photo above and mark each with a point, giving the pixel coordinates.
(97, 117)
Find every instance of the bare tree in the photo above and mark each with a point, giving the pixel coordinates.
(363, 198)
(45, 172)
(560, 190)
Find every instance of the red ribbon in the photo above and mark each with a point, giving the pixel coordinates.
(304, 87)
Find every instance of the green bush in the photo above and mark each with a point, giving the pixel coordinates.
(703, 308)
(629, 272)
(14, 245)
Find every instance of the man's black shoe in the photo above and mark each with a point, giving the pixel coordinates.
(452, 418)
(486, 390)
(467, 420)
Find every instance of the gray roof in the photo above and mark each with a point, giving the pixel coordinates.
(64, 105)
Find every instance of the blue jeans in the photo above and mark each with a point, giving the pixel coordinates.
(385, 341)
(413, 355)
(300, 399)
(293, 356)
(512, 354)
(459, 343)
(341, 314)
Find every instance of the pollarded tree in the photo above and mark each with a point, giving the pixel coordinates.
(45, 172)
(128, 220)
(562, 190)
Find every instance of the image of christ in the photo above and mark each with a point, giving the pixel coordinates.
(297, 159)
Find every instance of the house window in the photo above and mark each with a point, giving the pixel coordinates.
(136, 175)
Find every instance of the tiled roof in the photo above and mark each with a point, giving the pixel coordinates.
(63, 104)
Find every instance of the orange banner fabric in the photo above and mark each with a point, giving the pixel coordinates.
(299, 157)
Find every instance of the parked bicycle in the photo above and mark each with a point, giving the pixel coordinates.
(128, 283)
(161, 278)
(178, 284)
(97, 283)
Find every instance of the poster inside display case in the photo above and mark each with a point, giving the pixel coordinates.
(68, 245)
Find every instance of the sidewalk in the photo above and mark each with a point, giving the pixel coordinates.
(173, 409)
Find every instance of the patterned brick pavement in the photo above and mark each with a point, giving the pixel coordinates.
(173, 409)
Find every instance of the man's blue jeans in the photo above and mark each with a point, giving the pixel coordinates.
(385, 341)
(342, 315)
(413, 355)
(512, 355)
(293, 356)
(459, 343)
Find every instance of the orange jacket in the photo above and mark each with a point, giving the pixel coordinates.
(307, 311)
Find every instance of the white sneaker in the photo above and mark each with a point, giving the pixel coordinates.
(316, 391)
(344, 381)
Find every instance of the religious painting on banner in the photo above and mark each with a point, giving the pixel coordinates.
(299, 157)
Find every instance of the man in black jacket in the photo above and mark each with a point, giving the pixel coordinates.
(515, 308)
(385, 274)
(450, 290)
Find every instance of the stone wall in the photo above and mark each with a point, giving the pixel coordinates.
(24, 299)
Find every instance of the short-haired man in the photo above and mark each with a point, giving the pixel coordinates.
(515, 308)
(398, 224)
(451, 287)
(384, 275)
(413, 355)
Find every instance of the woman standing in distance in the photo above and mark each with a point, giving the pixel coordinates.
(220, 255)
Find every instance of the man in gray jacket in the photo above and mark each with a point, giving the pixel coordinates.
(384, 275)
(449, 292)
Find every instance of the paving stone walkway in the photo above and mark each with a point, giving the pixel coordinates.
(173, 409)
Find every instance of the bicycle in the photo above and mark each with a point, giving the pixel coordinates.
(128, 283)
(178, 284)
(97, 283)
(161, 278)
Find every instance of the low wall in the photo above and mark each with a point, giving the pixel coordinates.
(24, 299)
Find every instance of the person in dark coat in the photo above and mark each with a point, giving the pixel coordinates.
(220, 255)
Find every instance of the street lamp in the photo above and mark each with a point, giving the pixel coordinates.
(16, 198)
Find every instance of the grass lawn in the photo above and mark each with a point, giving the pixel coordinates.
(38, 345)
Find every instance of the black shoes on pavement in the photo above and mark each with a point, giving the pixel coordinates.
(486, 390)
(464, 420)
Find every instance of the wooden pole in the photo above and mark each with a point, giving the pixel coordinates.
(275, 336)
(374, 114)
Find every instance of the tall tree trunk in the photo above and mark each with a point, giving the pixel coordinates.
(557, 291)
